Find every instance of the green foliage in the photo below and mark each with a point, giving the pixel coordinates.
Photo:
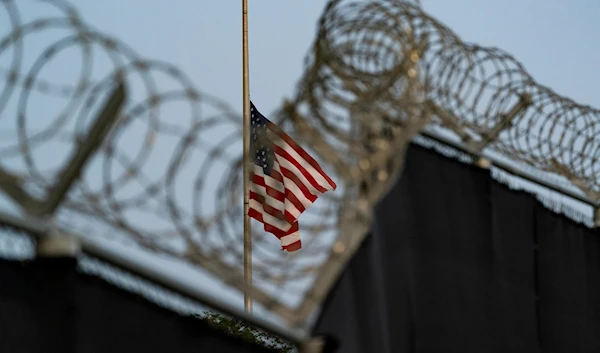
(238, 328)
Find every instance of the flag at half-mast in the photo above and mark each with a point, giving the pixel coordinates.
(284, 180)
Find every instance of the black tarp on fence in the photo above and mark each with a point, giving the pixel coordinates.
(47, 306)
(458, 262)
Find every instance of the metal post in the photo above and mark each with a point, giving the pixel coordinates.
(246, 132)
(597, 216)
(103, 123)
(12, 185)
(505, 122)
(57, 244)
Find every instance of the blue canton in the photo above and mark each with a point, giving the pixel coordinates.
(261, 147)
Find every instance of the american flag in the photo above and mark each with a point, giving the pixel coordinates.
(284, 180)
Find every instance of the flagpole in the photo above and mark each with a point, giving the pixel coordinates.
(246, 161)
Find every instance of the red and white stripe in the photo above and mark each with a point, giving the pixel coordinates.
(296, 181)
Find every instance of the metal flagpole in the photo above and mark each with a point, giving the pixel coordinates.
(246, 161)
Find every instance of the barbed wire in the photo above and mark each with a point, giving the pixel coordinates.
(380, 71)
(161, 180)
(169, 180)
(362, 49)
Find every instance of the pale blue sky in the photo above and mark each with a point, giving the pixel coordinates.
(557, 41)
